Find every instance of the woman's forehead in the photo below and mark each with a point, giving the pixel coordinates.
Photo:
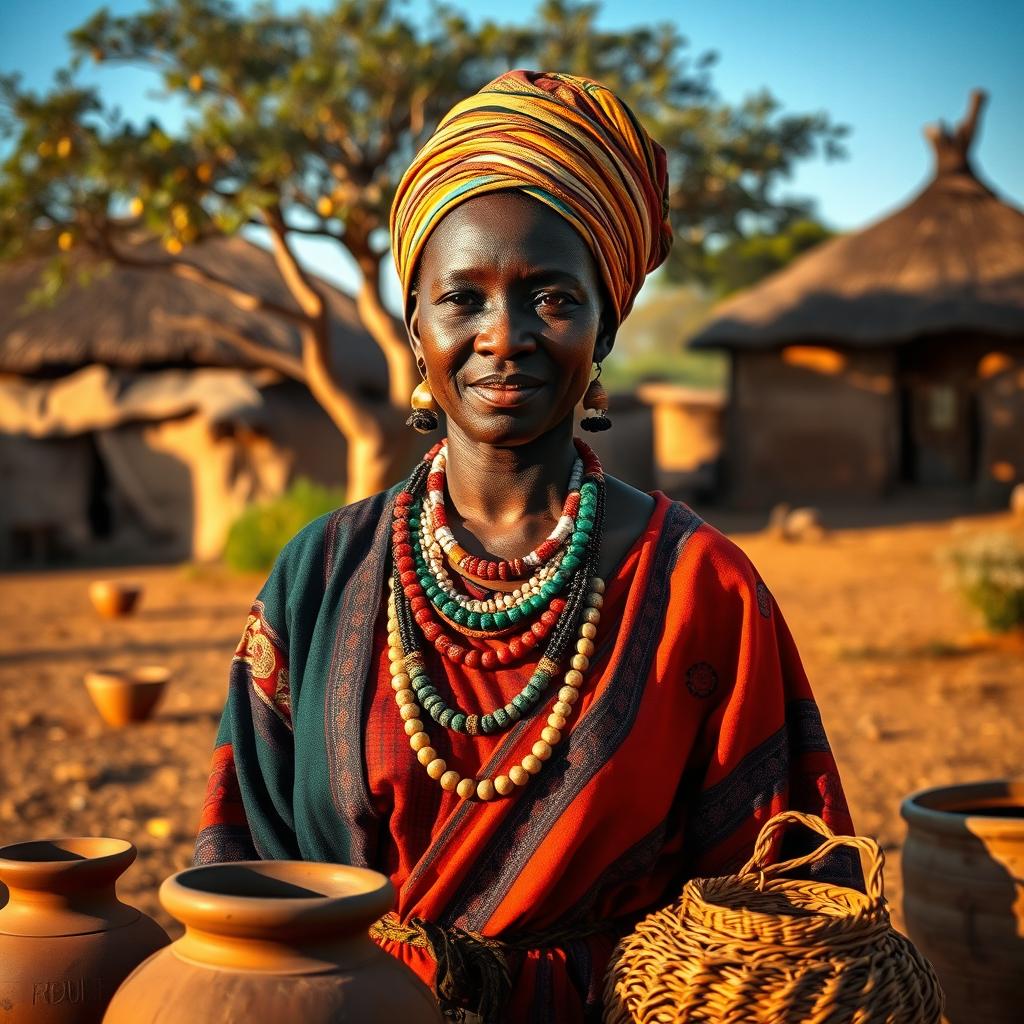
(504, 230)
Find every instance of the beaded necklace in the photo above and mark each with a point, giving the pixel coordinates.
(496, 569)
(413, 598)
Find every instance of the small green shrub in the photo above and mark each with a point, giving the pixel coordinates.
(693, 369)
(988, 570)
(259, 533)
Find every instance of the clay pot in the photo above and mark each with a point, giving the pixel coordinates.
(66, 940)
(128, 696)
(114, 599)
(274, 941)
(962, 865)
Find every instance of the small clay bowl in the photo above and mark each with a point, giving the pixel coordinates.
(128, 696)
(114, 599)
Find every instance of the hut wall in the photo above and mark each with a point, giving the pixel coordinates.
(1001, 412)
(627, 450)
(218, 472)
(45, 483)
(811, 424)
(298, 425)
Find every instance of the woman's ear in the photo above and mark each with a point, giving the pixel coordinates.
(412, 327)
(606, 331)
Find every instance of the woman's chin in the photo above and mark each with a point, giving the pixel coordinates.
(507, 428)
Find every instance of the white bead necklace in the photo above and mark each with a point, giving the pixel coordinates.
(561, 710)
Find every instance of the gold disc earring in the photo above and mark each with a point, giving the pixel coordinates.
(595, 405)
(424, 409)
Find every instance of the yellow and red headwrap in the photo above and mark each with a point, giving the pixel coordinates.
(568, 142)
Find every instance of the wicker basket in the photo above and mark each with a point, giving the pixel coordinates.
(755, 948)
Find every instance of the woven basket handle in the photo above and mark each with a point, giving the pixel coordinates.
(871, 857)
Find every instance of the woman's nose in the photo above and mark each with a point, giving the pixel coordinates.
(507, 332)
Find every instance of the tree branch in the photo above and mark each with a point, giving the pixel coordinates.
(308, 296)
(292, 229)
(191, 272)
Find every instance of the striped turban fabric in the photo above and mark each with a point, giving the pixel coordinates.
(568, 142)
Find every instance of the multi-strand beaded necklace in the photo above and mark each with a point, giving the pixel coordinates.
(552, 596)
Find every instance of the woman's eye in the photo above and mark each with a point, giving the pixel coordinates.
(461, 298)
(553, 300)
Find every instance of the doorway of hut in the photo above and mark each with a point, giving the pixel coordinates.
(100, 508)
(939, 419)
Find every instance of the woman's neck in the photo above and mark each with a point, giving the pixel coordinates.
(495, 490)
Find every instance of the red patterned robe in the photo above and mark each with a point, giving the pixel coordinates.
(695, 725)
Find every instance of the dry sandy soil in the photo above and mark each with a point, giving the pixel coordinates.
(911, 693)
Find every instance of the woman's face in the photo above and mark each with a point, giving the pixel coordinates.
(507, 318)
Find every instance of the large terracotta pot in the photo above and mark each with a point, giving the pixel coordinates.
(272, 941)
(66, 941)
(963, 872)
(124, 697)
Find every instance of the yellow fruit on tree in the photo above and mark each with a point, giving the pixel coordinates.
(65, 240)
(195, 82)
(204, 172)
(173, 246)
(136, 206)
(64, 147)
(324, 206)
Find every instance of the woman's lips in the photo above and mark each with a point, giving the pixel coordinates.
(506, 395)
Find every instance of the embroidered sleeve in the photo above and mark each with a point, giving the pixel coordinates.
(223, 828)
(262, 650)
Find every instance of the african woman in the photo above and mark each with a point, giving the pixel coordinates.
(536, 698)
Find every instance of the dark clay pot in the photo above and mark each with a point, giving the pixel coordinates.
(66, 940)
(272, 941)
(963, 862)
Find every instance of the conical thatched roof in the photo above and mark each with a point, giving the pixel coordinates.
(951, 259)
(127, 318)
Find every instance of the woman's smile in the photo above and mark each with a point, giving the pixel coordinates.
(506, 391)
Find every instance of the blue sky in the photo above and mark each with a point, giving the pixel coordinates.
(883, 68)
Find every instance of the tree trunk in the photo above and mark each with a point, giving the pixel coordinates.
(402, 373)
(380, 447)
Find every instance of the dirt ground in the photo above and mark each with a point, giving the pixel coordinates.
(912, 694)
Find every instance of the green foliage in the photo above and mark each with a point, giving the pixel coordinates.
(988, 570)
(263, 529)
(743, 262)
(310, 117)
(649, 344)
(707, 370)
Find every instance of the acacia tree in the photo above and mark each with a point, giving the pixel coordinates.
(303, 122)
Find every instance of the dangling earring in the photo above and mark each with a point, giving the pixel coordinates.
(595, 406)
(424, 409)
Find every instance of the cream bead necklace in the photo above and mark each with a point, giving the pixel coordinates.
(557, 721)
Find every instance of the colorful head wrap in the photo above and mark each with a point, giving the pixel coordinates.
(568, 142)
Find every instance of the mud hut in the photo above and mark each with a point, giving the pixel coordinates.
(891, 358)
(127, 432)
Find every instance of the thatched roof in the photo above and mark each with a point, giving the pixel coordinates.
(126, 318)
(951, 259)
(97, 398)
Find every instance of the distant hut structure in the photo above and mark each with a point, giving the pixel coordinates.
(889, 358)
(124, 429)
